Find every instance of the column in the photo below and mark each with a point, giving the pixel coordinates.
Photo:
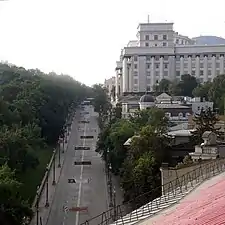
(117, 83)
(205, 70)
(120, 82)
(181, 65)
(197, 67)
(153, 80)
(221, 64)
(189, 65)
(172, 68)
(125, 75)
(161, 68)
(213, 72)
(130, 77)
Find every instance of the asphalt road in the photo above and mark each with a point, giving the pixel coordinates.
(89, 192)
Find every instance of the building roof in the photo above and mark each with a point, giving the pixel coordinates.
(163, 96)
(180, 133)
(147, 98)
(171, 106)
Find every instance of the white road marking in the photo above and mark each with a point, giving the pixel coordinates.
(81, 176)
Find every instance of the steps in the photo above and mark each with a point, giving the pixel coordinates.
(157, 204)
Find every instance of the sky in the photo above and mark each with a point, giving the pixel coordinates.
(83, 38)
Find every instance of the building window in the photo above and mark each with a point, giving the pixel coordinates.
(135, 89)
(209, 65)
(201, 65)
(148, 65)
(148, 81)
(155, 37)
(135, 81)
(148, 58)
(165, 73)
(148, 88)
(209, 72)
(165, 66)
(180, 114)
(135, 58)
(156, 73)
(193, 72)
(177, 41)
(148, 74)
(135, 73)
(146, 44)
(147, 37)
(166, 57)
(185, 65)
(177, 73)
(164, 44)
(201, 72)
(157, 66)
(164, 37)
(217, 65)
(135, 66)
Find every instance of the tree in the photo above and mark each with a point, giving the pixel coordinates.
(204, 121)
(185, 86)
(202, 90)
(13, 210)
(163, 86)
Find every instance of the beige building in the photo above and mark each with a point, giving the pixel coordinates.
(160, 52)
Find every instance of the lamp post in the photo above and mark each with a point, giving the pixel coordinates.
(110, 187)
(53, 182)
(63, 139)
(37, 206)
(59, 163)
(47, 203)
(114, 202)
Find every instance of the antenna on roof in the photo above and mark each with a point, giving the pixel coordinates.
(148, 19)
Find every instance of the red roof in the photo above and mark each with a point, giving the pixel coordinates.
(204, 206)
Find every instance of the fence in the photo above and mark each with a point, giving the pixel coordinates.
(170, 190)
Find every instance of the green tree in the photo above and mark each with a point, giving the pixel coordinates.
(13, 210)
(204, 121)
(202, 90)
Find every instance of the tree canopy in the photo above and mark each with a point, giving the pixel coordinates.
(34, 108)
(137, 164)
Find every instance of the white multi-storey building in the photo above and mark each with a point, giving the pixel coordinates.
(160, 52)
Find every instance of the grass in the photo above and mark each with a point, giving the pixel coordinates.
(33, 177)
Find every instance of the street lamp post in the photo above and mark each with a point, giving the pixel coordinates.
(59, 163)
(114, 202)
(63, 139)
(37, 206)
(110, 187)
(53, 182)
(47, 203)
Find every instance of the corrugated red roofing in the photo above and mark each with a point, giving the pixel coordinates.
(207, 207)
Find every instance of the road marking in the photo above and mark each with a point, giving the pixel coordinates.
(81, 177)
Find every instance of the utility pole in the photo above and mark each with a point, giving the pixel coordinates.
(114, 203)
(110, 187)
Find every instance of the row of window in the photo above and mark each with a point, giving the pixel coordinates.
(164, 44)
(166, 65)
(156, 37)
(166, 57)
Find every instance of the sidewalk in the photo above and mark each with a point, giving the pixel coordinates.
(43, 210)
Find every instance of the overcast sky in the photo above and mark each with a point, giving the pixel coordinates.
(83, 38)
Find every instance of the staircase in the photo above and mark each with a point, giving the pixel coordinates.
(189, 182)
(172, 193)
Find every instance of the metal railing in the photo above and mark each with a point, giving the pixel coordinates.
(150, 202)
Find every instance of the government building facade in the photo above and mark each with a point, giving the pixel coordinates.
(161, 53)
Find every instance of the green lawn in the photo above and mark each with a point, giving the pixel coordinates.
(33, 177)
